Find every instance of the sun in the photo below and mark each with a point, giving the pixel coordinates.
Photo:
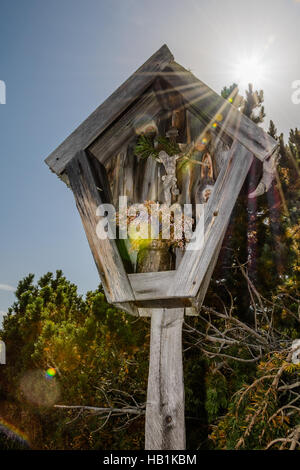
(249, 70)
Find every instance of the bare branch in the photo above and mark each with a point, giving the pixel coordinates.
(94, 409)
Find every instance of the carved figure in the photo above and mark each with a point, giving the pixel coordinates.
(169, 179)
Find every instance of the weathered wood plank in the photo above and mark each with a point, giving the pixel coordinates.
(110, 141)
(165, 423)
(82, 176)
(208, 104)
(108, 111)
(193, 267)
(150, 291)
(152, 285)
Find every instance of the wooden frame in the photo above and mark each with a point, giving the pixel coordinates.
(111, 126)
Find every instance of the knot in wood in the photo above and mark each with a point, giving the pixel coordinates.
(168, 419)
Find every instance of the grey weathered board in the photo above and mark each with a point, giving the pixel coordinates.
(165, 421)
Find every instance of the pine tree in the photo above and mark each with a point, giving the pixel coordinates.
(99, 355)
(272, 131)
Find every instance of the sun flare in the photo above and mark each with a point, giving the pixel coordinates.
(249, 70)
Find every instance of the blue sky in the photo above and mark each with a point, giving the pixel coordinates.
(61, 59)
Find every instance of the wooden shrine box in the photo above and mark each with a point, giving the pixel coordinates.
(98, 162)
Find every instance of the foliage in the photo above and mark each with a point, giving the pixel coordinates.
(257, 281)
(98, 352)
(264, 413)
(146, 146)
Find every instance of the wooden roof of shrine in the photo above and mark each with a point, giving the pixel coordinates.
(197, 95)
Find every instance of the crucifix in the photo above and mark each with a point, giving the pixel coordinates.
(169, 179)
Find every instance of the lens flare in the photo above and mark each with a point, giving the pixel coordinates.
(202, 142)
(37, 389)
(249, 70)
(50, 373)
(13, 433)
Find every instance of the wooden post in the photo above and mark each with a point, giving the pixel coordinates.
(165, 424)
